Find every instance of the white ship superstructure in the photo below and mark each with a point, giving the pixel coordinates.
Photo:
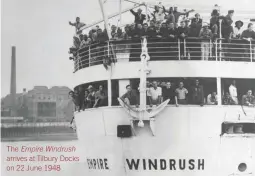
(165, 139)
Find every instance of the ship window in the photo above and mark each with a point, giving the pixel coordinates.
(242, 85)
(91, 101)
(238, 128)
(209, 86)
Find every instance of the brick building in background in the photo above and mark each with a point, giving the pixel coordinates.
(40, 104)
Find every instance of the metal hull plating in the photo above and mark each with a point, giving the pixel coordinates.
(188, 141)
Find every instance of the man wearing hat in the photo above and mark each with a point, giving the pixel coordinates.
(205, 35)
(236, 49)
(139, 17)
(238, 29)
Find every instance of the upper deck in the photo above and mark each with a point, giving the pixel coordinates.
(168, 58)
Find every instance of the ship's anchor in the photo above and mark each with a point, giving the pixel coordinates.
(142, 113)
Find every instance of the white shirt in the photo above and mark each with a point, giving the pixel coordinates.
(237, 31)
(159, 16)
(232, 91)
(154, 93)
(209, 97)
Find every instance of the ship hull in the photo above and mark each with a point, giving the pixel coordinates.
(188, 141)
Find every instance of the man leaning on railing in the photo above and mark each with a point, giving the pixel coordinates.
(85, 41)
(212, 98)
(155, 94)
(181, 94)
(237, 32)
(100, 97)
(248, 99)
(127, 33)
(182, 33)
(227, 100)
(248, 35)
(131, 96)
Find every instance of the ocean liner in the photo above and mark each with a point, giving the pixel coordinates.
(165, 139)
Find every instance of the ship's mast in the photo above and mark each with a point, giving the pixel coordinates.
(120, 7)
(105, 18)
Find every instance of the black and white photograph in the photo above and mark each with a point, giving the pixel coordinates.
(127, 88)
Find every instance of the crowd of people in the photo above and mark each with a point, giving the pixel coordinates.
(166, 25)
(158, 92)
(89, 97)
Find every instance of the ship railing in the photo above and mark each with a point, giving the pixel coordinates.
(235, 50)
(166, 49)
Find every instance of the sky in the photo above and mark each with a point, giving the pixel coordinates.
(39, 29)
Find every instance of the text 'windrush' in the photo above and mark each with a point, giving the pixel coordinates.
(165, 164)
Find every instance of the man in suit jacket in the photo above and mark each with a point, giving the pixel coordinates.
(197, 20)
(197, 93)
(139, 17)
(227, 28)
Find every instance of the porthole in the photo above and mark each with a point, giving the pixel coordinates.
(242, 167)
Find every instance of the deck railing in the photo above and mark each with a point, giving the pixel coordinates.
(166, 49)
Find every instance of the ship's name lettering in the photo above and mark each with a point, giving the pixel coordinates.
(101, 164)
(165, 164)
(151, 164)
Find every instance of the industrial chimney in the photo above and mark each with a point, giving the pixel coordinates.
(13, 83)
